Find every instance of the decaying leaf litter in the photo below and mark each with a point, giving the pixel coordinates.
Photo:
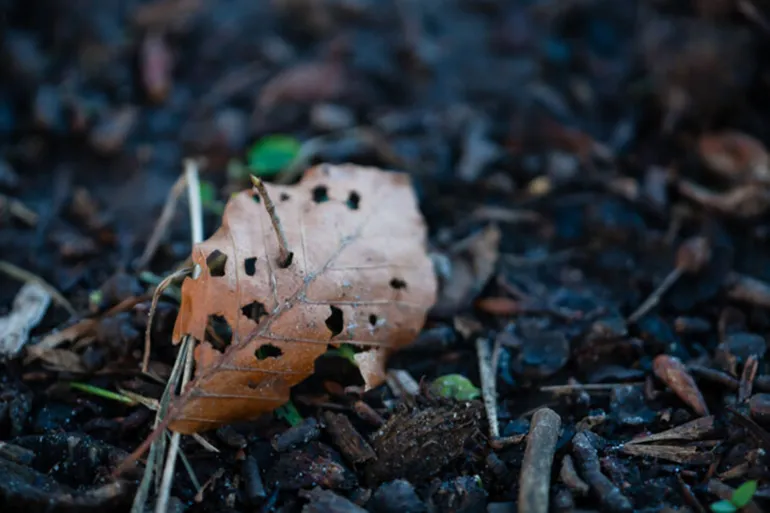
(596, 223)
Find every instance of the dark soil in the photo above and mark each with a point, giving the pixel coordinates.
(578, 129)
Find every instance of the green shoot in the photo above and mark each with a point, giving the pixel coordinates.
(271, 154)
(288, 412)
(101, 392)
(455, 386)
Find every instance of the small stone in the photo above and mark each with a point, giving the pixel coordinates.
(330, 117)
(759, 406)
(396, 497)
(627, 404)
(8, 177)
(109, 135)
(47, 108)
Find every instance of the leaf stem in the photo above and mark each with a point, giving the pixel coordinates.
(285, 256)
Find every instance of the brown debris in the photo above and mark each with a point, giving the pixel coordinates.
(569, 476)
(315, 464)
(156, 67)
(684, 454)
(697, 429)
(607, 493)
(535, 479)
(416, 444)
(735, 155)
(741, 202)
(473, 262)
(307, 83)
(347, 439)
(674, 374)
(747, 378)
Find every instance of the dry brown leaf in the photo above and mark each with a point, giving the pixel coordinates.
(156, 63)
(735, 156)
(309, 82)
(473, 262)
(359, 275)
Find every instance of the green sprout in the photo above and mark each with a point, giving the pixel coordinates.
(347, 351)
(209, 199)
(740, 498)
(272, 154)
(455, 386)
(102, 392)
(288, 412)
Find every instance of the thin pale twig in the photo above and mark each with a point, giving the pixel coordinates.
(488, 386)
(155, 297)
(29, 277)
(164, 221)
(284, 258)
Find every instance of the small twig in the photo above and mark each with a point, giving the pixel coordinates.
(488, 386)
(608, 494)
(196, 221)
(19, 210)
(535, 478)
(28, 277)
(285, 255)
(161, 505)
(579, 387)
(155, 297)
(747, 378)
(191, 169)
(164, 221)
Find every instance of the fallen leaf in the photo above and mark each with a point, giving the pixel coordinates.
(674, 374)
(29, 306)
(309, 82)
(472, 265)
(156, 65)
(359, 275)
(735, 156)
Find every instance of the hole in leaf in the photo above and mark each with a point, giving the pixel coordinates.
(219, 333)
(353, 200)
(216, 262)
(397, 283)
(284, 196)
(255, 197)
(288, 261)
(250, 266)
(267, 351)
(320, 194)
(335, 321)
(254, 311)
(373, 319)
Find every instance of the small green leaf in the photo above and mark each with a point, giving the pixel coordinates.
(455, 386)
(347, 351)
(208, 193)
(101, 392)
(95, 298)
(271, 154)
(289, 413)
(743, 494)
(209, 199)
(237, 171)
(723, 507)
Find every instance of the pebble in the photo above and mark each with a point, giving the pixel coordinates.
(329, 117)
